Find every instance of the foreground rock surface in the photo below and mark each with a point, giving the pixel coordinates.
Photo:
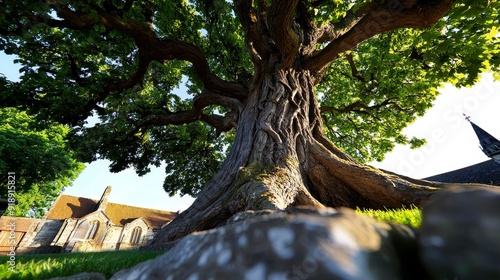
(302, 243)
(460, 235)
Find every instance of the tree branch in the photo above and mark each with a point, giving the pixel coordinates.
(33, 21)
(380, 18)
(74, 71)
(280, 17)
(109, 88)
(307, 31)
(354, 70)
(132, 81)
(248, 18)
(152, 48)
(73, 20)
(221, 123)
(357, 105)
(332, 31)
(169, 49)
(205, 99)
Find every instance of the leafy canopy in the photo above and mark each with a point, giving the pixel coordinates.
(148, 73)
(40, 160)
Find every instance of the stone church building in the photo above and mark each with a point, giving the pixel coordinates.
(81, 224)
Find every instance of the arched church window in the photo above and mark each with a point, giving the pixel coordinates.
(93, 227)
(135, 238)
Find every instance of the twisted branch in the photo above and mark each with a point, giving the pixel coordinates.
(375, 18)
(220, 123)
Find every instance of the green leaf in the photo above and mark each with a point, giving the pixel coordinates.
(39, 158)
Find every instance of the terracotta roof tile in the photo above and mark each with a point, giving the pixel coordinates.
(21, 224)
(67, 206)
(121, 214)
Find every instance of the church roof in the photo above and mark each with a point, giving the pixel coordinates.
(487, 172)
(22, 224)
(67, 206)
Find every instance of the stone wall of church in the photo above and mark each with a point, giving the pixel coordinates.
(46, 232)
(112, 238)
(40, 234)
(65, 232)
(93, 232)
(108, 237)
(72, 235)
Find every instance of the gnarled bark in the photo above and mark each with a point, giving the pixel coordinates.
(280, 159)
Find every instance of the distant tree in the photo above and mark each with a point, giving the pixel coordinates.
(42, 163)
(275, 82)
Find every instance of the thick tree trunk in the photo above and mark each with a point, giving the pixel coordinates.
(280, 158)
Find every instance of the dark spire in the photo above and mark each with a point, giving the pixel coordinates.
(488, 144)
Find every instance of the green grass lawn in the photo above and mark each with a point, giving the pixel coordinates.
(57, 265)
(410, 217)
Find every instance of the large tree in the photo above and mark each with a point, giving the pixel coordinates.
(39, 160)
(274, 82)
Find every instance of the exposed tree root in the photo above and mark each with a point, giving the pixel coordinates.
(330, 181)
(281, 159)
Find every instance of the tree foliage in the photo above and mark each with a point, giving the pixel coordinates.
(163, 79)
(41, 162)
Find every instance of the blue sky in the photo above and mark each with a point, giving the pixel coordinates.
(451, 144)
